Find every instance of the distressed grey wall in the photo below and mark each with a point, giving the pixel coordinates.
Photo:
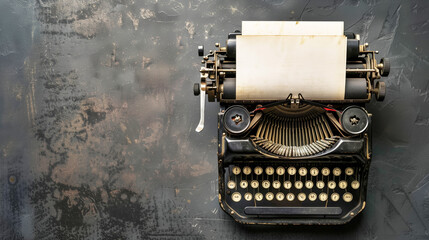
(97, 118)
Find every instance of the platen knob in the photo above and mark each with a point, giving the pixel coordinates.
(386, 67)
(197, 89)
(201, 50)
(380, 88)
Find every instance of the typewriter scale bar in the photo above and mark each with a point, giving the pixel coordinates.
(293, 190)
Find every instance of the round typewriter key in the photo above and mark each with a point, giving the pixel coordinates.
(291, 170)
(312, 196)
(280, 196)
(302, 171)
(336, 171)
(248, 196)
(236, 119)
(269, 170)
(254, 184)
(259, 196)
(258, 170)
(323, 196)
(349, 171)
(287, 184)
(236, 170)
(309, 184)
(269, 196)
(280, 170)
(331, 184)
(243, 184)
(231, 184)
(355, 184)
(335, 197)
(276, 184)
(314, 171)
(266, 184)
(325, 171)
(301, 197)
(298, 184)
(320, 184)
(247, 170)
(236, 197)
(342, 184)
(347, 197)
(290, 197)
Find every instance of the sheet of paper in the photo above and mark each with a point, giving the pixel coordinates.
(291, 28)
(271, 67)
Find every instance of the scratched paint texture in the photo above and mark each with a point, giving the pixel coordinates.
(97, 119)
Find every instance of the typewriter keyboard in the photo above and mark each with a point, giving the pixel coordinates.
(295, 189)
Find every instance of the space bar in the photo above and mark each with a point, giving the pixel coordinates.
(293, 210)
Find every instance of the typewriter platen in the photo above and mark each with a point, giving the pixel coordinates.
(292, 151)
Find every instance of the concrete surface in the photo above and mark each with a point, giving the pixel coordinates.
(97, 118)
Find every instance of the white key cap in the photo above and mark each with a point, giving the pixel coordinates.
(269, 170)
(335, 197)
(276, 184)
(325, 171)
(331, 185)
(342, 184)
(280, 196)
(243, 184)
(236, 170)
(336, 171)
(266, 184)
(236, 197)
(258, 170)
(312, 196)
(287, 184)
(259, 196)
(314, 171)
(349, 171)
(301, 197)
(320, 184)
(290, 197)
(291, 170)
(231, 184)
(302, 171)
(269, 196)
(309, 184)
(323, 196)
(355, 184)
(298, 184)
(280, 170)
(347, 197)
(247, 170)
(248, 196)
(254, 184)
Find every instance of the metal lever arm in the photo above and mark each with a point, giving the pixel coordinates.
(200, 126)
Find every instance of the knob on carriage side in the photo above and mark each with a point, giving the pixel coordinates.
(385, 70)
(197, 89)
(380, 89)
(201, 50)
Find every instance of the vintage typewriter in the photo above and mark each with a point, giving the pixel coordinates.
(294, 135)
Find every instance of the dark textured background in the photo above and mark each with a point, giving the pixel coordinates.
(97, 118)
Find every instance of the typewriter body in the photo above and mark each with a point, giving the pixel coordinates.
(287, 153)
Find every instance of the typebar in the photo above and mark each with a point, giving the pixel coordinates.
(293, 210)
